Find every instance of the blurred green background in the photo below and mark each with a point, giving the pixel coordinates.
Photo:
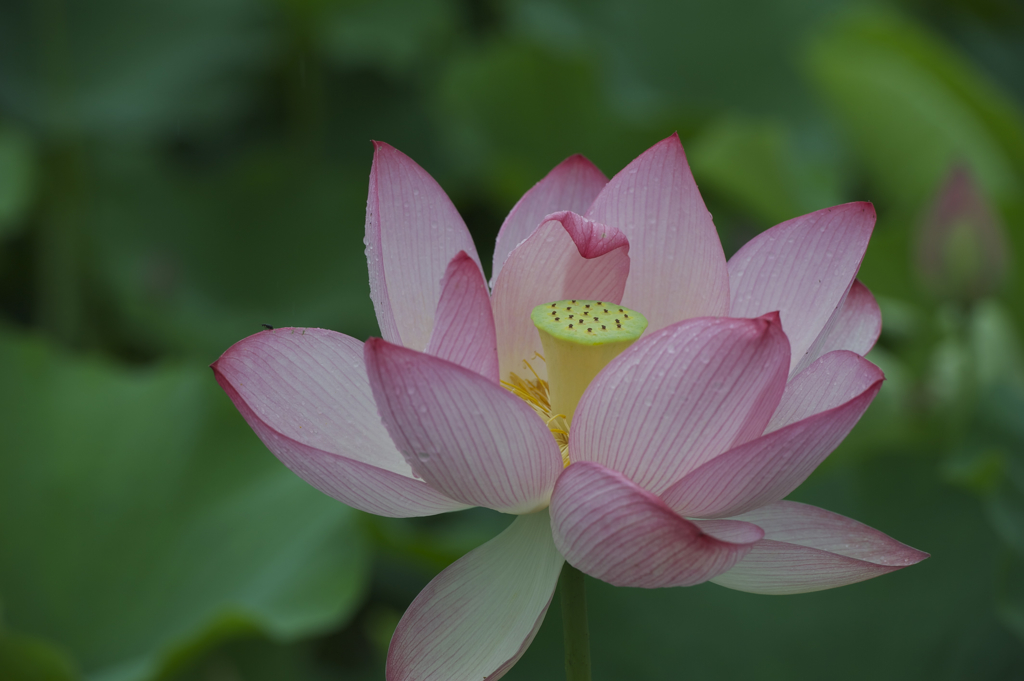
(173, 173)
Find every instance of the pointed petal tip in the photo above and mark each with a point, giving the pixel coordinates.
(905, 558)
(372, 348)
(679, 269)
(670, 141)
(283, 383)
(575, 160)
(865, 207)
(592, 239)
(620, 533)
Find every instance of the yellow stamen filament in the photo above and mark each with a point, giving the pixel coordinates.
(535, 393)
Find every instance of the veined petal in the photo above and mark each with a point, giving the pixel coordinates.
(306, 395)
(731, 531)
(566, 257)
(612, 529)
(478, 617)
(679, 268)
(830, 381)
(463, 434)
(681, 396)
(803, 268)
(856, 327)
(464, 323)
(809, 549)
(571, 185)
(768, 468)
(412, 232)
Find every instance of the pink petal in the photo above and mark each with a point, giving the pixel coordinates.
(412, 232)
(768, 468)
(464, 323)
(731, 531)
(809, 549)
(803, 268)
(478, 617)
(614, 530)
(571, 185)
(681, 396)
(566, 257)
(679, 268)
(832, 380)
(306, 395)
(463, 434)
(855, 328)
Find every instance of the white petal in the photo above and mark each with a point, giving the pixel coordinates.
(478, 617)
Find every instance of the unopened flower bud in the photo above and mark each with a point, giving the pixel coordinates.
(961, 246)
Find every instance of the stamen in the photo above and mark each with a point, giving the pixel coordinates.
(535, 393)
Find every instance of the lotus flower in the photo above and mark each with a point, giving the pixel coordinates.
(666, 469)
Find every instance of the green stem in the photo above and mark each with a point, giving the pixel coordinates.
(574, 624)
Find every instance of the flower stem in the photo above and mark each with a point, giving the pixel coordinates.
(574, 624)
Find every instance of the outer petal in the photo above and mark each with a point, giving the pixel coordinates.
(803, 268)
(855, 328)
(765, 470)
(809, 549)
(614, 530)
(681, 396)
(571, 185)
(464, 323)
(462, 434)
(679, 268)
(478, 617)
(306, 395)
(566, 257)
(412, 232)
(832, 380)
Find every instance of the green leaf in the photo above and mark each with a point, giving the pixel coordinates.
(913, 106)
(658, 55)
(143, 521)
(23, 658)
(748, 161)
(512, 110)
(1010, 602)
(17, 178)
(120, 67)
(395, 35)
(757, 165)
(269, 239)
(257, 659)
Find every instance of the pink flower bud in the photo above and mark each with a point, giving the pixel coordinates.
(961, 248)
